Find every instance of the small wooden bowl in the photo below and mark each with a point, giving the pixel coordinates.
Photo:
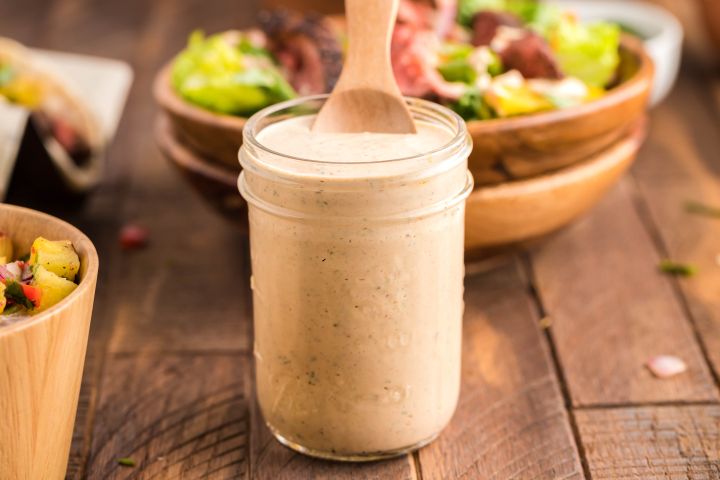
(525, 210)
(42, 359)
(504, 149)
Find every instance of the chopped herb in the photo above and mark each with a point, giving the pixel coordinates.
(13, 309)
(702, 209)
(24, 258)
(678, 269)
(126, 462)
(14, 292)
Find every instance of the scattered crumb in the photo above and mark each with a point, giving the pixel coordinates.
(126, 462)
(133, 237)
(665, 366)
(545, 323)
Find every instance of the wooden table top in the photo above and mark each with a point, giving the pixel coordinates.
(555, 338)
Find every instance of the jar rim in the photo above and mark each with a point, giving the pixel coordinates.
(455, 122)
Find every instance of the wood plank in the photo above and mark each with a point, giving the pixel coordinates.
(24, 24)
(510, 422)
(189, 290)
(141, 34)
(668, 443)
(681, 164)
(195, 258)
(176, 416)
(612, 310)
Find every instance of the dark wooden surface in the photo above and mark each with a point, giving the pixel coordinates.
(555, 340)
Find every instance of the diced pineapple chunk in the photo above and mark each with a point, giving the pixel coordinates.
(54, 287)
(58, 257)
(3, 300)
(6, 249)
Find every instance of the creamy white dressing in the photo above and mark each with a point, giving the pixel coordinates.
(357, 296)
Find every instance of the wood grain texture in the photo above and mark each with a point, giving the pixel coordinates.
(652, 443)
(42, 360)
(681, 165)
(176, 416)
(182, 229)
(523, 210)
(672, 442)
(612, 310)
(510, 422)
(143, 35)
(272, 461)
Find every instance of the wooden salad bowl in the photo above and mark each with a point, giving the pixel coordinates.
(213, 135)
(496, 215)
(42, 359)
(525, 210)
(504, 149)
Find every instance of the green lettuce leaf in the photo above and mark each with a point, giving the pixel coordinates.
(234, 79)
(14, 292)
(455, 66)
(587, 51)
(472, 106)
(526, 10)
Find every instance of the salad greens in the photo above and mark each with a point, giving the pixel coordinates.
(501, 58)
(586, 54)
(233, 78)
(461, 62)
(526, 10)
(586, 51)
(472, 105)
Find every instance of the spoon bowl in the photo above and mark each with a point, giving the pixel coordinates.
(366, 97)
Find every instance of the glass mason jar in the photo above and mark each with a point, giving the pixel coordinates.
(357, 289)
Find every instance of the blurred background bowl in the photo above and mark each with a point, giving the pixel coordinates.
(504, 149)
(521, 211)
(215, 136)
(500, 215)
(534, 174)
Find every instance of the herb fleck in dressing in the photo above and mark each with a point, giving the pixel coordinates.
(357, 283)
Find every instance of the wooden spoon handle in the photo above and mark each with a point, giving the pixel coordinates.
(369, 27)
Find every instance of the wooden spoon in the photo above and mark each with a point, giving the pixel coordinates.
(366, 97)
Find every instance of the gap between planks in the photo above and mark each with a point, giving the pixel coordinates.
(529, 275)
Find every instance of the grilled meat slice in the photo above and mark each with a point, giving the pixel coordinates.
(307, 47)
